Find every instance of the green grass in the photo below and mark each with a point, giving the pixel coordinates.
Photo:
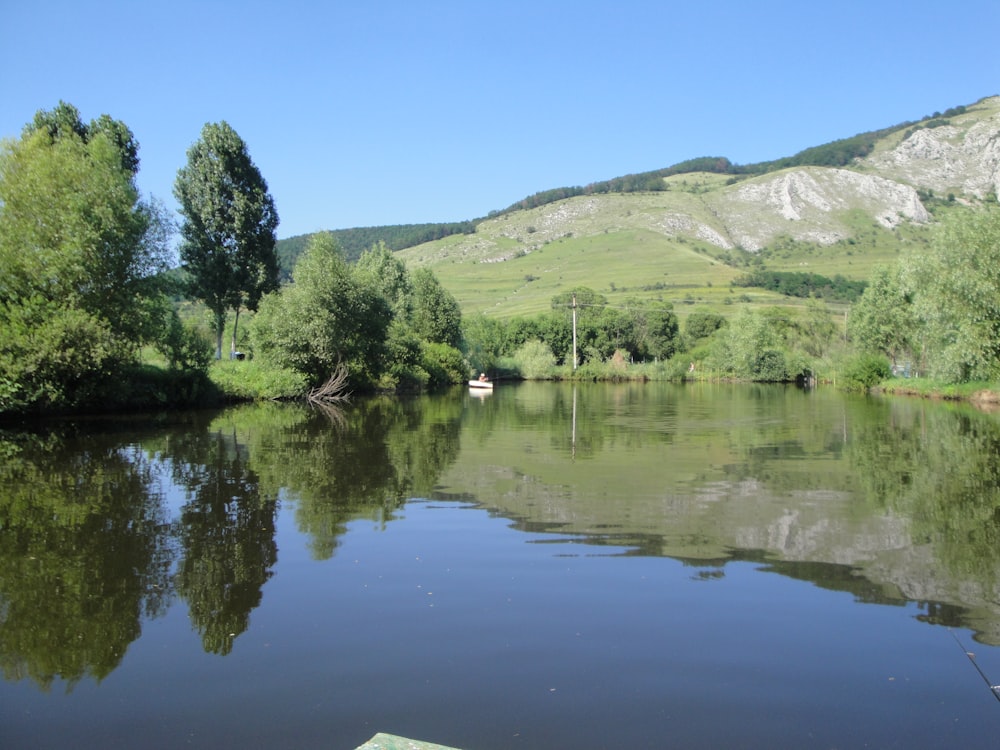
(928, 388)
(650, 246)
(251, 380)
(620, 265)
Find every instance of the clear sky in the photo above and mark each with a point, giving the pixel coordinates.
(383, 112)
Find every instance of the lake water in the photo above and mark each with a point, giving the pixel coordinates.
(546, 566)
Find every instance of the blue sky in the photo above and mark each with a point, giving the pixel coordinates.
(384, 112)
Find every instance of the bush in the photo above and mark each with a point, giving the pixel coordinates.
(151, 387)
(700, 325)
(864, 372)
(186, 346)
(402, 377)
(55, 358)
(768, 366)
(444, 364)
(534, 360)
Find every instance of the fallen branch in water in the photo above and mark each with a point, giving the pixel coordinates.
(334, 390)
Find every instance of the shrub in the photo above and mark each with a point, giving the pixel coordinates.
(534, 360)
(55, 358)
(444, 364)
(186, 345)
(700, 325)
(864, 371)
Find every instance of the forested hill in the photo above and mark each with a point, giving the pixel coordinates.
(838, 153)
(355, 241)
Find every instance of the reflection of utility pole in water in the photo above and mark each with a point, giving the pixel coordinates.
(573, 439)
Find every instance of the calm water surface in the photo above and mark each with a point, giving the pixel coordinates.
(548, 566)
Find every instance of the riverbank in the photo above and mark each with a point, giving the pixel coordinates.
(982, 395)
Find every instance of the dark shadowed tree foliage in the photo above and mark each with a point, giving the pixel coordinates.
(228, 237)
(805, 285)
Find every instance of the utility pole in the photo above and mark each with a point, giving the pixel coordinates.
(574, 332)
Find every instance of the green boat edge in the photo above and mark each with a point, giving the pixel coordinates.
(382, 741)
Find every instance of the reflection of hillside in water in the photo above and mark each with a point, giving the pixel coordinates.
(895, 501)
(105, 526)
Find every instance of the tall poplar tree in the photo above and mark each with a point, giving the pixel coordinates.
(228, 232)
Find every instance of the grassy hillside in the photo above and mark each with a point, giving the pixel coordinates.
(684, 233)
(516, 263)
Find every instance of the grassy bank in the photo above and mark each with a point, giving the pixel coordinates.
(981, 393)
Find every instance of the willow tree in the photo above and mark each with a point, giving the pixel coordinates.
(882, 321)
(228, 232)
(79, 252)
(325, 319)
(958, 295)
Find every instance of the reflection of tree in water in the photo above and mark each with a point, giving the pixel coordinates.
(226, 532)
(87, 549)
(364, 465)
(938, 468)
(84, 555)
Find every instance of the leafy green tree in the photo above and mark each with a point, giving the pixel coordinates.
(382, 270)
(749, 348)
(585, 306)
(882, 321)
(184, 345)
(436, 315)
(700, 325)
(535, 360)
(80, 252)
(588, 302)
(228, 232)
(958, 302)
(655, 331)
(403, 369)
(484, 341)
(556, 330)
(817, 328)
(608, 331)
(325, 318)
(63, 121)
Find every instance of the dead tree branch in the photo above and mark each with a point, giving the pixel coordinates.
(334, 390)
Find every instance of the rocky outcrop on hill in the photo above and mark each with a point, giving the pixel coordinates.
(957, 156)
(961, 157)
(809, 204)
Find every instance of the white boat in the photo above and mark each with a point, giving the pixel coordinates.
(487, 384)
